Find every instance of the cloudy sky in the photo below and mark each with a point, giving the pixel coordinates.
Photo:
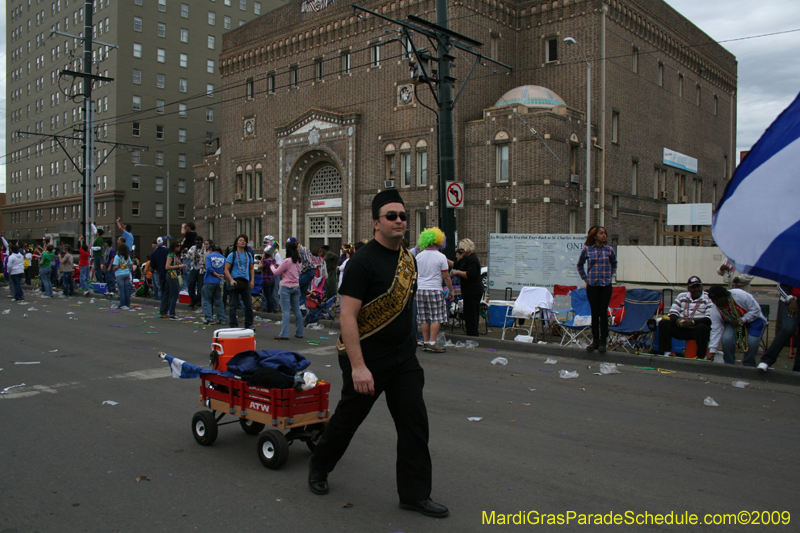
(769, 76)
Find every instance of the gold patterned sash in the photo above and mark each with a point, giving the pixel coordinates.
(380, 312)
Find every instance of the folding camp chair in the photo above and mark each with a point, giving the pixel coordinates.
(531, 302)
(634, 333)
(255, 292)
(616, 309)
(574, 334)
(323, 311)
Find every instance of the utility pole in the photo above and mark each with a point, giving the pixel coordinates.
(88, 124)
(441, 86)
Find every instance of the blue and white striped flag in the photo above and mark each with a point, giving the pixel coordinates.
(184, 370)
(757, 222)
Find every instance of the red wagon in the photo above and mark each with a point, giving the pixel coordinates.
(303, 413)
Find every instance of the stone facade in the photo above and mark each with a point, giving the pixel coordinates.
(316, 118)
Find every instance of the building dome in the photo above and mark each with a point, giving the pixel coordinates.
(531, 96)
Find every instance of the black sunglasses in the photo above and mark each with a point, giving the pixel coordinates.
(391, 216)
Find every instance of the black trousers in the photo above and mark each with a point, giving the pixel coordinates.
(667, 331)
(472, 312)
(401, 377)
(599, 296)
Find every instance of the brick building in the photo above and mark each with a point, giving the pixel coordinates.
(319, 113)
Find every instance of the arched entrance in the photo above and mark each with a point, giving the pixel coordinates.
(324, 214)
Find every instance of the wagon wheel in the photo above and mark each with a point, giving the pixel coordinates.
(273, 450)
(204, 428)
(250, 427)
(316, 431)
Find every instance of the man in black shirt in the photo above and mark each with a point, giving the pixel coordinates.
(377, 354)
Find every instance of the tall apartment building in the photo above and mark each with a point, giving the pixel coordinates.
(165, 97)
(321, 113)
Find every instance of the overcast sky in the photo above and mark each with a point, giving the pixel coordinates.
(769, 76)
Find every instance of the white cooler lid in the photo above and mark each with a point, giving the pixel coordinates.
(233, 333)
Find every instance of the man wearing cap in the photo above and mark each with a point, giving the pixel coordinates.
(377, 354)
(689, 319)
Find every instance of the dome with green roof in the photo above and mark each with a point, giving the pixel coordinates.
(532, 96)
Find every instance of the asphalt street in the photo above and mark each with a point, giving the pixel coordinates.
(640, 441)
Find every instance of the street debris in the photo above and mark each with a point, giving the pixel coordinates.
(566, 374)
(110, 402)
(709, 402)
(740, 384)
(550, 361)
(499, 361)
(474, 418)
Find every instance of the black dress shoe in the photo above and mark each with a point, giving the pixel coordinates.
(592, 347)
(317, 480)
(602, 348)
(427, 507)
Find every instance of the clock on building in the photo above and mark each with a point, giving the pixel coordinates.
(405, 93)
(249, 127)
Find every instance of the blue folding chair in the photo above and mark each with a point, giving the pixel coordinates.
(634, 333)
(580, 308)
(255, 293)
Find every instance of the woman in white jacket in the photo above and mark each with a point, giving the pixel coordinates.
(16, 270)
(736, 321)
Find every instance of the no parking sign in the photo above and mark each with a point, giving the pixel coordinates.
(455, 194)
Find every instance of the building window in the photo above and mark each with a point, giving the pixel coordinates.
(697, 95)
(137, 23)
(159, 132)
(318, 69)
(501, 220)
(494, 46)
(660, 74)
(211, 231)
(183, 85)
(159, 159)
(635, 60)
(160, 107)
(159, 184)
(137, 102)
(181, 185)
(209, 114)
(243, 5)
(635, 178)
(210, 90)
(184, 60)
(212, 18)
(162, 5)
(346, 63)
(135, 182)
(162, 30)
(271, 83)
(182, 110)
(211, 42)
(159, 210)
(422, 222)
(136, 156)
(294, 75)
(210, 66)
(250, 88)
(181, 160)
(375, 55)
(614, 206)
(211, 192)
(422, 169)
(136, 129)
(135, 209)
(181, 135)
(614, 127)
(184, 35)
(226, 22)
(573, 221)
(161, 55)
(405, 169)
(257, 8)
(716, 105)
(185, 11)
(259, 185)
(551, 50)
(160, 81)
(390, 160)
(137, 50)
(181, 210)
(680, 85)
(502, 163)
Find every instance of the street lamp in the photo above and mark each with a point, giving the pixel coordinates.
(168, 187)
(570, 40)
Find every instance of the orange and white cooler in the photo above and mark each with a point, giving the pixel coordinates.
(229, 342)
